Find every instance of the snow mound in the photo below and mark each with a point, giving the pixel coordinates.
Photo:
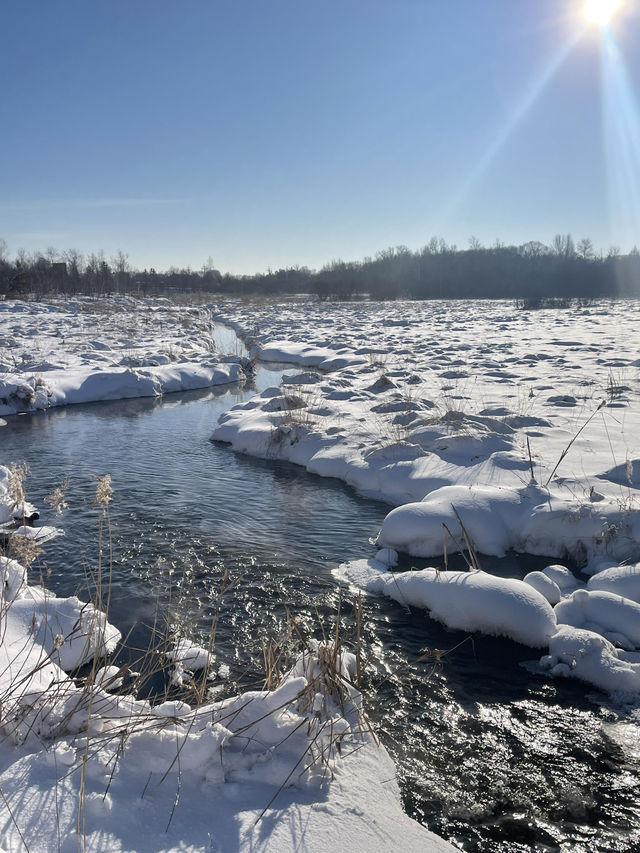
(582, 654)
(69, 630)
(621, 580)
(309, 356)
(545, 586)
(530, 519)
(189, 654)
(466, 601)
(605, 613)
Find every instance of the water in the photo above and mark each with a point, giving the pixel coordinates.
(489, 754)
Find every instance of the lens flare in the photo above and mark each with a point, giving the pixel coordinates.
(600, 12)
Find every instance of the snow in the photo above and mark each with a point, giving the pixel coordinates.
(323, 358)
(12, 509)
(476, 426)
(88, 350)
(583, 654)
(530, 520)
(467, 601)
(70, 631)
(605, 613)
(189, 654)
(354, 811)
(623, 580)
(544, 585)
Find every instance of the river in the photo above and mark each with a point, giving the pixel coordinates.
(489, 753)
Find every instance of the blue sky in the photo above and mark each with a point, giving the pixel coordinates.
(266, 133)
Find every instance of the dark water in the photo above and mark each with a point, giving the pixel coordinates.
(490, 755)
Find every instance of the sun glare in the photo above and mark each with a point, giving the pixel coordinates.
(600, 12)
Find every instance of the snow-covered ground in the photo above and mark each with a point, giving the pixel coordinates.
(83, 350)
(487, 427)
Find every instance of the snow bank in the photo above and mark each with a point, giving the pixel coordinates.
(96, 353)
(530, 519)
(70, 631)
(585, 655)
(592, 635)
(323, 358)
(467, 601)
(622, 580)
(615, 617)
(11, 509)
(263, 770)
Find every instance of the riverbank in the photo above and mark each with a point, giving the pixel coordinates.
(84, 350)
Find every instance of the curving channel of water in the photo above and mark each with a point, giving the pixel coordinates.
(490, 754)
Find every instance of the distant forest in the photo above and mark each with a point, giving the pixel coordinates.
(532, 271)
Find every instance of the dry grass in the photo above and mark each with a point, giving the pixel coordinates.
(19, 471)
(56, 499)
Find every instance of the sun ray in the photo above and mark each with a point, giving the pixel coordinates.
(621, 137)
(513, 120)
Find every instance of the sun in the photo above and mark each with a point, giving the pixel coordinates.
(600, 12)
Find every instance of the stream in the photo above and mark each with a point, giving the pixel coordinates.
(489, 753)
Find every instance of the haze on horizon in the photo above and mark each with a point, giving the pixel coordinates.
(268, 135)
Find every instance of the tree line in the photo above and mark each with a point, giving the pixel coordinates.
(532, 272)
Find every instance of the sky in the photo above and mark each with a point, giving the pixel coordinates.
(271, 133)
